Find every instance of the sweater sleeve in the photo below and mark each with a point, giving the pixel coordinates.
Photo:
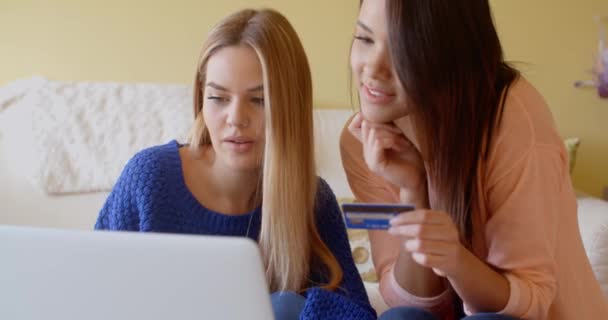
(121, 210)
(368, 187)
(521, 234)
(350, 301)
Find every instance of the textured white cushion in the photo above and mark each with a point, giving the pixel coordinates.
(81, 134)
(593, 224)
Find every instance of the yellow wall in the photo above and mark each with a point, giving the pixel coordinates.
(158, 41)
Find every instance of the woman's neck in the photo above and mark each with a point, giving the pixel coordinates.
(235, 190)
(221, 188)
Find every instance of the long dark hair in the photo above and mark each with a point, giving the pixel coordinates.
(450, 62)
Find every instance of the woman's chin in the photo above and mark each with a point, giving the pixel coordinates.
(384, 114)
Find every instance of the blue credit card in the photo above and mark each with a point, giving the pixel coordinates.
(372, 216)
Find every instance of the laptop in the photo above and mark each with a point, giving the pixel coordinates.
(48, 274)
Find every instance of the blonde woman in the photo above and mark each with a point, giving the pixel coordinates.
(248, 171)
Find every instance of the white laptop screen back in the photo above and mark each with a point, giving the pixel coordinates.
(54, 274)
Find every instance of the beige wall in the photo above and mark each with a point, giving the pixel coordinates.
(158, 41)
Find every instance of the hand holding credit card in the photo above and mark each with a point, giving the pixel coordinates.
(372, 216)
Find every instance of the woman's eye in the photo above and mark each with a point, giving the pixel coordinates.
(364, 39)
(217, 99)
(258, 101)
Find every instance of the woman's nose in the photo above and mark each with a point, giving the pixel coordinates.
(238, 116)
(379, 64)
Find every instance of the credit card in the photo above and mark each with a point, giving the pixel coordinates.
(372, 216)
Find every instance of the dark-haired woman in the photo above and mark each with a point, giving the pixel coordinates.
(448, 126)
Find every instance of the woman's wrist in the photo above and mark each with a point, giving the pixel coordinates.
(466, 260)
(465, 279)
(417, 280)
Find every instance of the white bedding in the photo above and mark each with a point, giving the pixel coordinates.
(11, 93)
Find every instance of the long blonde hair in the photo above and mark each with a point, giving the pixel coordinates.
(289, 240)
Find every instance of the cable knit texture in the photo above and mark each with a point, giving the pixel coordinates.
(151, 196)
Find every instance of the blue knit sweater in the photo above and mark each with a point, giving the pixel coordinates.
(151, 196)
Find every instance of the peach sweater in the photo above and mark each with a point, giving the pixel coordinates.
(525, 222)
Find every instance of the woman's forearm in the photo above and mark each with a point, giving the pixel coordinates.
(481, 287)
(417, 280)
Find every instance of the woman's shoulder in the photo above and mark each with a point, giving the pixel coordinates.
(326, 204)
(526, 121)
(351, 153)
(325, 194)
(151, 163)
(158, 153)
(527, 115)
(349, 145)
(526, 127)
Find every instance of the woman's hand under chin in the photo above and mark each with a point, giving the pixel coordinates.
(390, 154)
